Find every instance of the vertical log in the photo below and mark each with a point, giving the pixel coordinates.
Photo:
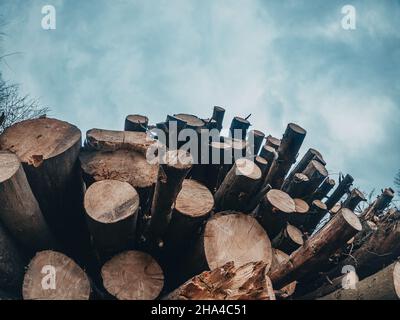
(172, 171)
(310, 155)
(71, 282)
(238, 186)
(316, 173)
(317, 211)
(256, 139)
(133, 275)
(245, 238)
(112, 210)
(383, 285)
(269, 154)
(247, 282)
(273, 211)
(20, 211)
(340, 191)
(296, 186)
(136, 122)
(287, 153)
(323, 190)
(288, 240)
(300, 216)
(318, 248)
(272, 142)
(238, 128)
(380, 204)
(353, 199)
(218, 116)
(12, 263)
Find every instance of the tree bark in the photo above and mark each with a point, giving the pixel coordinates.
(300, 216)
(318, 248)
(133, 275)
(340, 191)
(383, 285)
(287, 153)
(71, 282)
(109, 140)
(325, 289)
(353, 199)
(310, 155)
(316, 173)
(256, 139)
(238, 128)
(278, 258)
(12, 263)
(20, 211)
(273, 142)
(246, 282)
(288, 240)
(218, 116)
(238, 186)
(273, 211)
(380, 204)
(228, 236)
(317, 211)
(172, 171)
(323, 190)
(136, 123)
(112, 210)
(296, 186)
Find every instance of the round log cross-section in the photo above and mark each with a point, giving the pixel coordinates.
(112, 209)
(133, 275)
(136, 122)
(289, 239)
(230, 237)
(20, 211)
(53, 276)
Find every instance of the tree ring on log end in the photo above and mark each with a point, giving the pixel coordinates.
(137, 118)
(191, 120)
(295, 234)
(9, 165)
(238, 238)
(281, 201)
(71, 282)
(194, 199)
(296, 128)
(39, 139)
(133, 275)
(320, 204)
(248, 168)
(109, 201)
(351, 218)
(301, 206)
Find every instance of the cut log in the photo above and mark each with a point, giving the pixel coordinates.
(273, 211)
(316, 173)
(383, 285)
(49, 149)
(238, 128)
(328, 287)
(136, 123)
(353, 199)
(218, 116)
(20, 211)
(269, 154)
(295, 188)
(133, 275)
(247, 282)
(172, 171)
(12, 263)
(273, 142)
(317, 211)
(318, 248)
(53, 276)
(229, 237)
(380, 204)
(310, 155)
(256, 139)
(287, 153)
(238, 186)
(122, 165)
(323, 190)
(263, 165)
(340, 191)
(109, 140)
(288, 240)
(112, 210)
(193, 206)
(238, 148)
(300, 216)
(278, 258)
(191, 121)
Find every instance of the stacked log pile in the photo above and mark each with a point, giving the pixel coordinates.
(134, 215)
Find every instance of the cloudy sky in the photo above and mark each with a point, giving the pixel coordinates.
(282, 61)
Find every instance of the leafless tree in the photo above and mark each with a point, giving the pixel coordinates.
(15, 107)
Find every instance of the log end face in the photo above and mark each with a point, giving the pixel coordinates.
(133, 275)
(9, 165)
(295, 234)
(319, 204)
(351, 218)
(301, 206)
(281, 201)
(248, 168)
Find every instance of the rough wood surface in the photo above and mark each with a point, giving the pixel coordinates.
(218, 116)
(239, 127)
(317, 211)
(112, 210)
(279, 257)
(71, 282)
(318, 248)
(300, 216)
(136, 122)
(295, 188)
(256, 138)
(342, 188)
(316, 173)
(353, 199)
(133, 275)
(288, 240)
(323, 190)
(383, 285)
(247, 282)
(272, 142)
(20, 211)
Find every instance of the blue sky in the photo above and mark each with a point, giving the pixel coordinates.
(282, 61)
